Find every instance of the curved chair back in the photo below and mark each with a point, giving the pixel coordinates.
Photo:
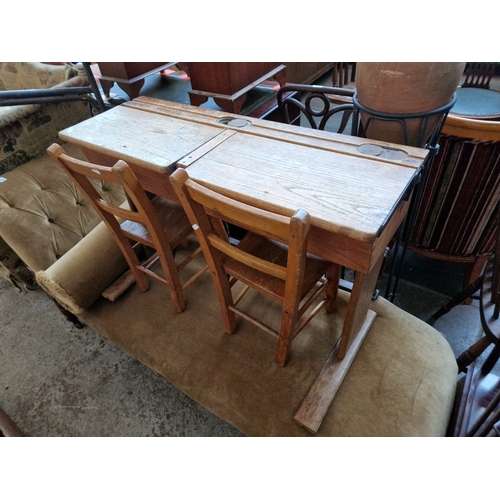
(478, 74)
(455, 219)
(317, 104)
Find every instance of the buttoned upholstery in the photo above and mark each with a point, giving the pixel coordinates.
(43, 214)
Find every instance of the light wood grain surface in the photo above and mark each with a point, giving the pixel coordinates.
(342, 193)
(146, 139)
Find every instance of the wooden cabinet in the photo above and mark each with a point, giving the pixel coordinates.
(228, 82)
(129, 76)
(306, 72)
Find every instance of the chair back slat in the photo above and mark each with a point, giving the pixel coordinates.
(478, 75)
(234, 212)
(247, 259)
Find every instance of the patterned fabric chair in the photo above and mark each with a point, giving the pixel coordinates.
(27, 130)
(455, 220)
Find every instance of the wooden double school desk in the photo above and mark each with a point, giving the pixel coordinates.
(356, 190)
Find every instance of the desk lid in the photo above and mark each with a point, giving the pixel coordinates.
(141, 137)
(344, 193)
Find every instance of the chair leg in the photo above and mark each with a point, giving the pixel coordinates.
(332, 287)
(224, 295)
(7, 426)
(288, 323)
(472, 272)
(472, 353)
(167, 261)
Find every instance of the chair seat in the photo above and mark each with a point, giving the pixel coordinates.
(172, 217)
(277, 253)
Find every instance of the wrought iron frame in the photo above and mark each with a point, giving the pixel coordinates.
(89, 93)
(425, 140)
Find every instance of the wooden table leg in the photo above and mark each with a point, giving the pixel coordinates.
(359, 303)
(358, 321)
(131, 89)
(231, 105)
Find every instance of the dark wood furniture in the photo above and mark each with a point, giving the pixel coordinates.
(228, 82)
(271, 258)
(478, 74)
(344, 75)
(129, 76)
(455, 219)
(159, 223)
(304, 73)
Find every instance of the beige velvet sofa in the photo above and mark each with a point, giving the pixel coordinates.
(42, 214)
(401, 383)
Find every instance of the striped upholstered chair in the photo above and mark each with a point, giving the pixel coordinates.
(456, 217)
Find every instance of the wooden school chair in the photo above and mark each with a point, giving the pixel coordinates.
(271, 258)
(157, 224)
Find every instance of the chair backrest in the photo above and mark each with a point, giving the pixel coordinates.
(456, 216)
(313, 102)
(141, 210)
(478, 74)
(209, 211)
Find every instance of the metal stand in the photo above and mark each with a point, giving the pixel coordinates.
(427, 140)
(89, 93)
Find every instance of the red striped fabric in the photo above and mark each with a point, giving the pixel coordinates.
(456, 216)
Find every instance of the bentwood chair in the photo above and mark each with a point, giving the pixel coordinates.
(478, 75)
(455, 219)
(317, 104)
(156, 223)
(271, 258)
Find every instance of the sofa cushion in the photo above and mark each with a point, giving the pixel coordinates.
(42, 212)
(401, 383)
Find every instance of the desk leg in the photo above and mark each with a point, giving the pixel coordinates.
(358, 321)
(359, 304)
